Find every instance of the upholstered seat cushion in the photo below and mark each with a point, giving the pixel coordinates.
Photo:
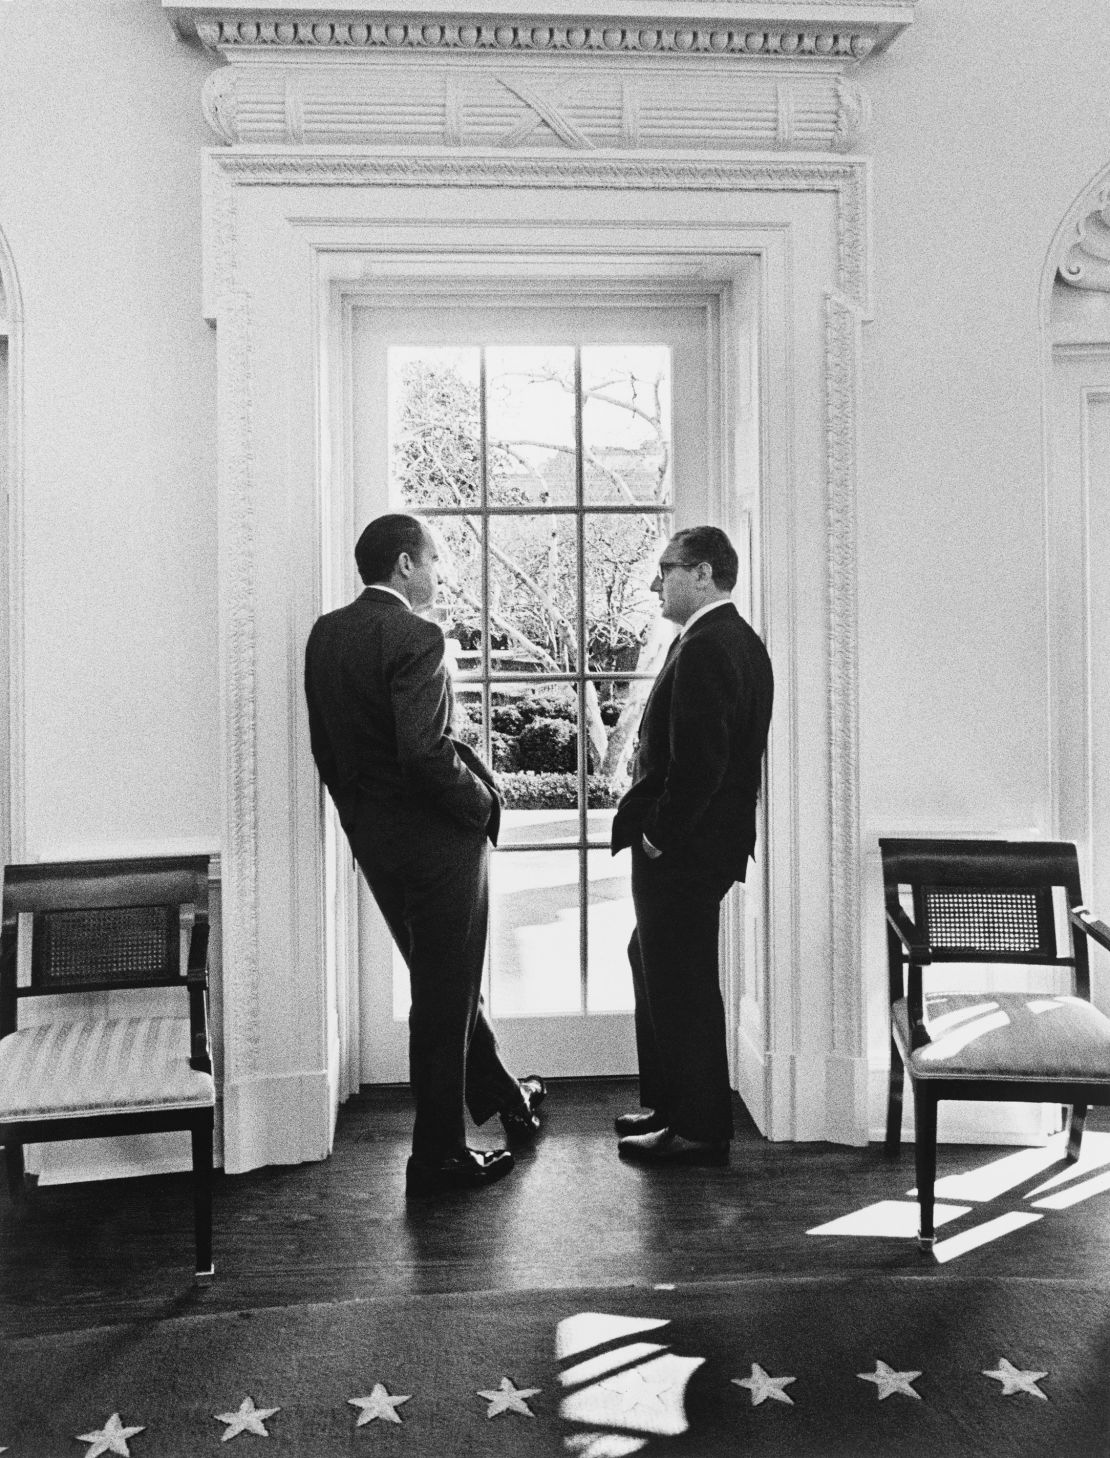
(96, 1065)
(1009, 1036)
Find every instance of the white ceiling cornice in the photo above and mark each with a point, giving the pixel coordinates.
(821, 31)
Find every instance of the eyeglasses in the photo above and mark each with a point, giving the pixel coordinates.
(665, 567)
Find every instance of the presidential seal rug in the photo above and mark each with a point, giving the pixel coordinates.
(898, 1366)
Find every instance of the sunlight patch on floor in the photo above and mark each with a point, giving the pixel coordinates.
(1094, 1153)
(893, 1218)
(635, 1387)
(900, 1219)
(1074, 1194)
(958, 1245)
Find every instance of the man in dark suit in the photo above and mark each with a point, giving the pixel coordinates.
(418, 808)
(689, 818)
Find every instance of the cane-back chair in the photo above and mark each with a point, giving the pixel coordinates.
(120, 927)
(964, 904)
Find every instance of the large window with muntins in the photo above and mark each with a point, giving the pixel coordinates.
(545, 472)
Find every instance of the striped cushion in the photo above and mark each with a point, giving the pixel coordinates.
(1009, 1036)
(99, 1065)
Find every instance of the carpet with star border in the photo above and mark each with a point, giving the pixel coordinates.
(788, 1367)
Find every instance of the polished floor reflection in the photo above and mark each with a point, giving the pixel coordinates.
(571, 1214)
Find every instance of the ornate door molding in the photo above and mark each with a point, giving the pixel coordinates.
(538, 142)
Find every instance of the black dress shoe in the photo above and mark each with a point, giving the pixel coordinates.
(646, 1122)
(459, 1172)
(523, 1122)
(666, 1147)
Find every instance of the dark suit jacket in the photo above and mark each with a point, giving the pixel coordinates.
(379, 711)
(702, 737)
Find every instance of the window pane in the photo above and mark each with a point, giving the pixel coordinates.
(533, 594)
(534, 934)
(622, 613)
(530, 404)
(614, 708)
(468, 721)
(459, 610)
(534, 743)
(626, 423)
(609, 924)
(435, 437)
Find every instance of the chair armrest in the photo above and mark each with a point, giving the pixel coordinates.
(908, 935)
(197, 968)
(1090, 925)
(196, 976)
(8, 1000)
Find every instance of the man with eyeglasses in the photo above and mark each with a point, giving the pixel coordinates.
(690, 820)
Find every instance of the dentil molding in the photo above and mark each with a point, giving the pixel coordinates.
(625, 76)
(779, 28)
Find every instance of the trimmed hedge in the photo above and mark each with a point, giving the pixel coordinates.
(548, 745)
(524, 790)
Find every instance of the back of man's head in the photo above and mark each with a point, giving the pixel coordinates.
(710, 544)
(383, 541)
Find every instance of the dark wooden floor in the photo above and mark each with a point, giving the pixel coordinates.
(571, 1214)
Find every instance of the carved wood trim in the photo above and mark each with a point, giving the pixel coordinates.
(242, 988)
(848, 178)
(622, 101)
(12, 655)
(847, 306)
(780, 29)
(1082, 246)
(843, 353)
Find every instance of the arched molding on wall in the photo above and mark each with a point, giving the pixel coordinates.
(12, 832)
(1074, 307)
(1080, 251)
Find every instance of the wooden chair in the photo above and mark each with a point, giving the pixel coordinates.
(981, 902)
(107, 926)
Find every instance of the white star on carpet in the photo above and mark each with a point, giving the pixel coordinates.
(762, 1386)
(249, 1419)
(378, 1405)
(1014, 1380)
(888, 1381)
(509, 1398)
(111, 1438)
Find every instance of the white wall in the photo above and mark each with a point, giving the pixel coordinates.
(988, 120)
(987, 124)
(100, 201)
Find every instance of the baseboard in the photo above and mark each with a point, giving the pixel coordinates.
(803, 1100)
(847, 1090)
(284, 1119)
(750, 1078)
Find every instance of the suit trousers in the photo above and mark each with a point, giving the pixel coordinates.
(430, 878)
(679, 1013)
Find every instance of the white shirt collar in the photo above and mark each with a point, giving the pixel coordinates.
(381, 587)
(701, 612)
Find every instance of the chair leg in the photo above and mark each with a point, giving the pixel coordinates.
(894, 1102)
(202, 1199)
(925, 1160)
(1075, 1130)
(13, 1158)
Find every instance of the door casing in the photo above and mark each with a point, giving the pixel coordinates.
(782, 242)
